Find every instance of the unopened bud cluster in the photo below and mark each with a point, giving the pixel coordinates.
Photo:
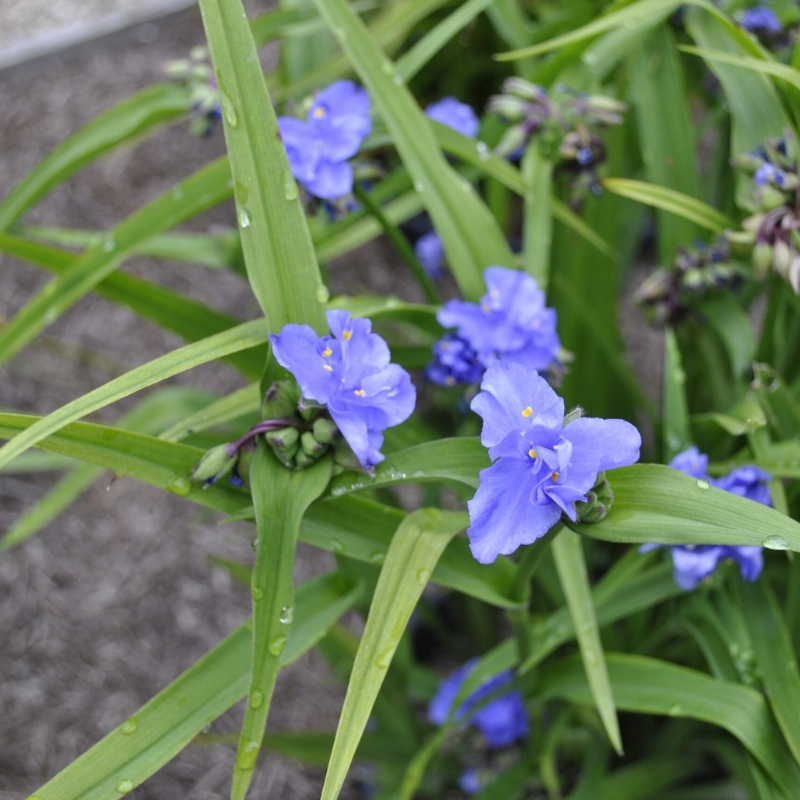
(197, 74)
(564, 120)
(598, 502)
(669, 295)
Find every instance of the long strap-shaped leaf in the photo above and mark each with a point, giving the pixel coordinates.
(649, 686)
(278, 250)
(202, 190)
(537, 175)
(242, 337)
(142, 744)
(281, 497)
(415, 549)
(571, 566)
(469, 232)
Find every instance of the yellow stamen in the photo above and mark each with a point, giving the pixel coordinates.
(486, 308)
(348, 335)
(532, 453)
(327, 352)
(327, 367)
(554, 477)
(360, 392)
(319, 112)
(526, 412)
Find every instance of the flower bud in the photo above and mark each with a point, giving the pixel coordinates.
(768, 198)
(507, 107)
(524, 89)
(598, 502)
(218, 461)
(513, 139)
(282, 400)
(762, 258)
(325, 430)
(781, 258)
(310, 409)
(576, 413)
(310, 446)
(242, 469)
(794, 275)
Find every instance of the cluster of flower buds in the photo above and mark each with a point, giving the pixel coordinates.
(772, 230)
(669, 295)
(197, 74)
(763, 23)
(564, 119)
(598, 502)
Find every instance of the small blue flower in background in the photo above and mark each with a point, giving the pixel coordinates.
(762, 21)
(470, 781)
(511, 322)
(319, 148)
(543, 467)
(351, 374)
(692, 564)
(454, 362)
(456, 115)
(502, 721)
(430, 252)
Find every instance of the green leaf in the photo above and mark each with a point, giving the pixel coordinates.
(765, 67)
(471, 237)
(281, 497)
(653, 503)
(775, 656)
(127, 121)
(141, 745)
(676, 412)
(170, 310)
(250, 334)
(278, 252)
(574, 577)
(670, 200)
(202, 190)
(648, 686)
(732, 324)
(537, 175)
(419, 541)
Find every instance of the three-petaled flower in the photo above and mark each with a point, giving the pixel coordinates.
(319, 148)
(543, 466)
(349, 372)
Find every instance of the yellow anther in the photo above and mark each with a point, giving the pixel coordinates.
(327, 352)
(360, 392)
(486, 308)
(327, 367)
(494, 294)
(319, 112)
(527, 411)
(348, 335)
(554, 477)
(532, 453)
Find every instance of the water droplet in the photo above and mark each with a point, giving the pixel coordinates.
(590, 59)
(336, 546)
(129, 726)
(254, 545)
(51, 315)
(387, 68)
(108, 243)
(377, 557)
(419, 187)
(290, 190)
(228, 111)
(257, 699)
(483, 151)
(256, 592)
(322, 294)
(177, 193)
(775, 543)
(466, 185)
(248, 755)
(277, 644)
(702, 484)
(675, 710)
(338, 491)
(179, 485)
(384, 659)
(398, 79)
(423, 574)
(124, 786)
(243, 215)
(287, 615)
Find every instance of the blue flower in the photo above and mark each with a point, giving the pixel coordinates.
(430, 252)
(543, 467)
(350, 373)
(692, 564)
(502, 721)
(761, 20)
(456, 115)
(511, 322)
(319, 149)
(454, 361)
(470, 781)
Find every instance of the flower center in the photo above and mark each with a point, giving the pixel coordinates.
(318, 112)
(327, 352)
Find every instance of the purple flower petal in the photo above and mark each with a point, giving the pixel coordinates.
(456, 115)
(330, 180)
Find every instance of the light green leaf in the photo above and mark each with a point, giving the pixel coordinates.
(765, 67)
(242, 337)
(130, 119)
(670, 200)
(469, 232)
(142, 744)
(419, 541)
(537, 175)
(281, 497)
(676, 412)
(278, 251)
(571, 565)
